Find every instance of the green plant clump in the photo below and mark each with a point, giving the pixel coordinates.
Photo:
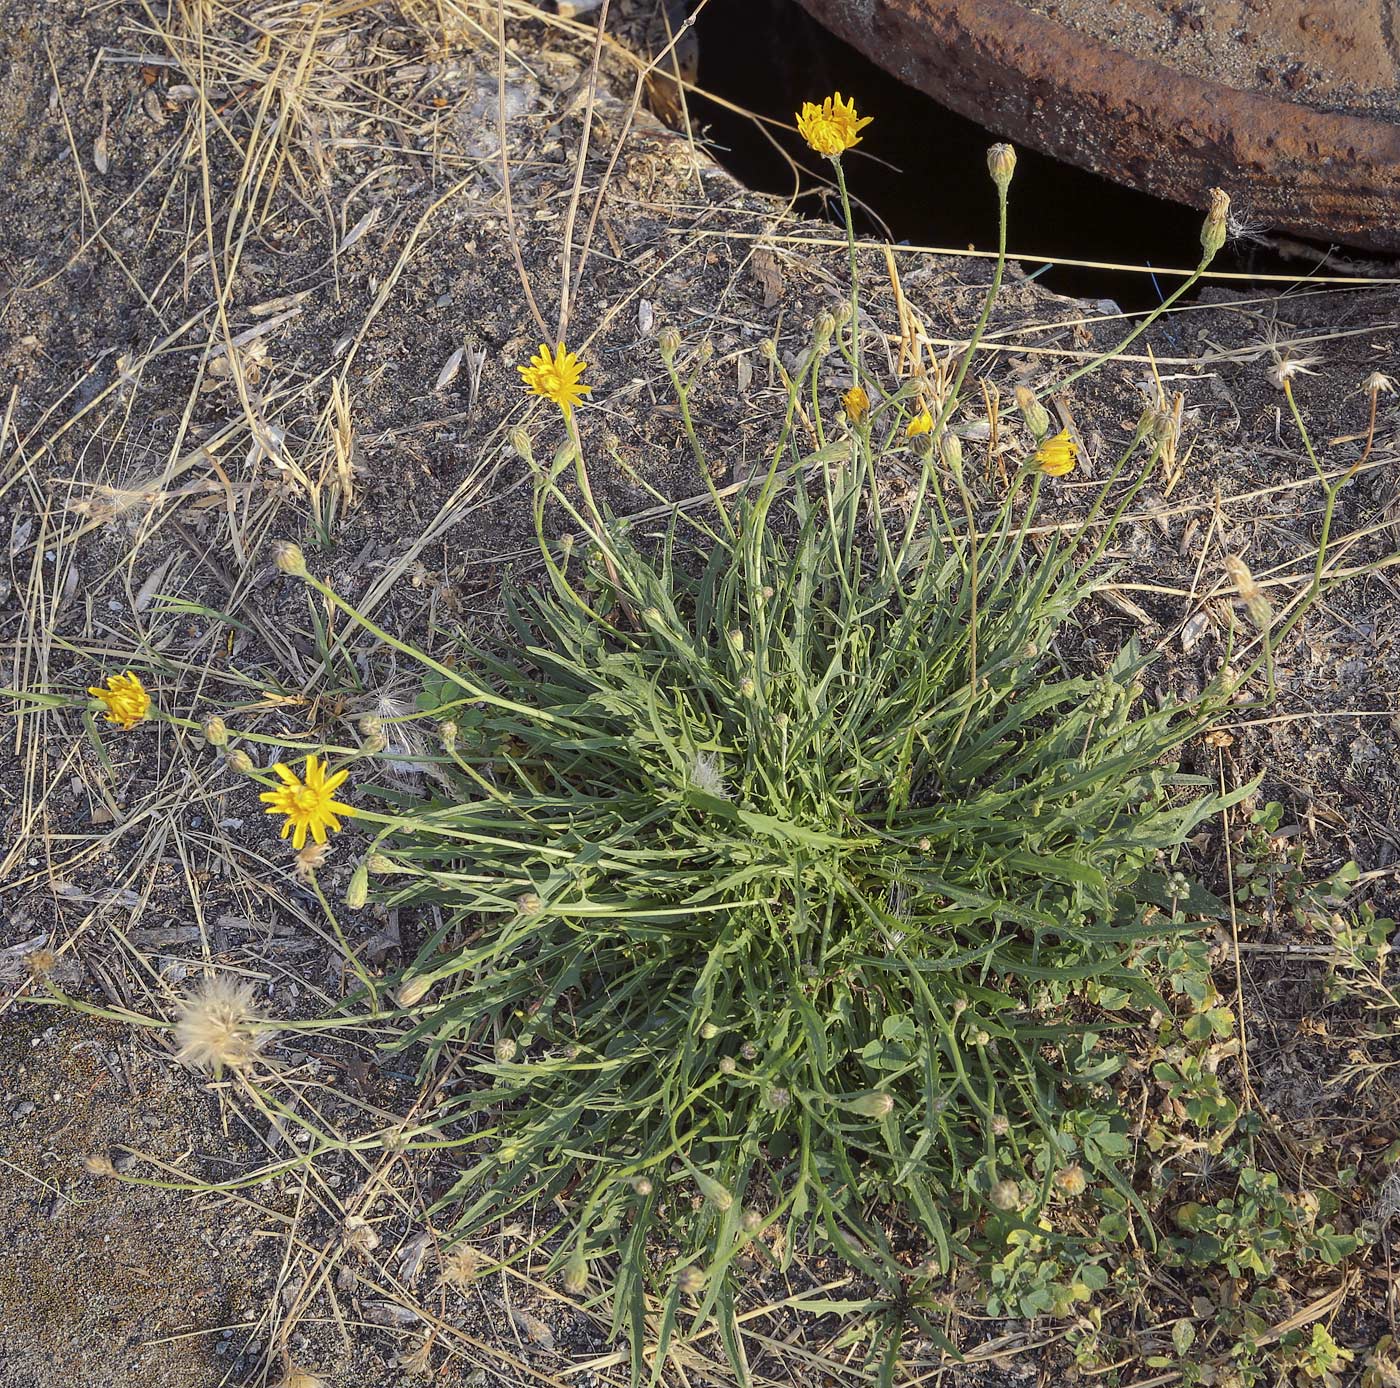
(784, 875)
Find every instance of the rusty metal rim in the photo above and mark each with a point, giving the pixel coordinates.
(1317, 173)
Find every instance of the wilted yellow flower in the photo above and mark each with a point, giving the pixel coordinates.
(831, 128)
(555, 376)
(307, 804)
(126, 699)
(1057, 456)
(856, 403)
(922, 423)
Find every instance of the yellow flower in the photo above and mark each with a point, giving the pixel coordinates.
(856, 403)
(831, 128)
(556, 376)
(126, 699)
(1057, 456)
(922, 423)
(307, 804)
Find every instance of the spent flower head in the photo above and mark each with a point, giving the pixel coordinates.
(125, 698)
(556, 376)
(217, 1026)
(1057, 456)
(831, 128)
(309, 804)
(1286, 366)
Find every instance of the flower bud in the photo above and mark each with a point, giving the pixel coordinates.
(950, 450)
(413, 990)
(768, 349)
(238, 760)
(727, 1065)
(1261, 612)
(1033, 412)
(520, 441)
(215, 731)
(692, 1281)
(841, 311)
(506, 1050)
(876, 1105)
(709, 1031)
(357, 893)
(1001, 164)
(289, 558)
(381, 865)
(447, 731)
(824, 329)
(370, 725)
(751, 1221)
(747, 687)
(668, 342)
(528, 903)
(576, 1273)
(715, 1193)
(706, 351)
(642, 1185)
(1216, 226)
(373, 746)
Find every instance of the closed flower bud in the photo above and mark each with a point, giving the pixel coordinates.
(709, 1031)
(506, 1050)
(736, 639)
(238, 760)
(841, 312)
(715, 1193)
(520, 442)
(1261, 612)
(375, 745)
(215, 731)
(768, 349)
(576, 1273)
(1033, 412)
(370, 725)
(1006, 1195)
(289, 558)
(777, 1098)
(727, 1065)
(357, 893)
(824, 328)
(692, 1281)
(1216, 226)
(642, 1185)
(1001, 164)
(668, 342)
(747, 687)
(706, 352)
(876, 1105)
(528, 903)
(950, 449)
(447, 731)
(751, 1221)
(413, 990)
(381, 865)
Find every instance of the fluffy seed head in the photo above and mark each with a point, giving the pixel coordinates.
(217, 1026)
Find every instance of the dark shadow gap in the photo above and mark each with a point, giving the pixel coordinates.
(925, 178)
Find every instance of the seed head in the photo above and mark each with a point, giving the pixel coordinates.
(289, 558)
(1071, 1180)
(1287, 366)
(99, 1164)
(1377, 383)
(1006, 1195)
(528, 903)
(217, 1026)
(727, 1065)
(777, 1098)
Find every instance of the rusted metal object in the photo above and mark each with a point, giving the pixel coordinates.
(1291, 106)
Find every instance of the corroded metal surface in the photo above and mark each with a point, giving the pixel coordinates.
(1291, 106)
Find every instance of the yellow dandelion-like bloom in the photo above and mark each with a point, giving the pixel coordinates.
(126, 699)
(307, 804)
(831, 128)
(555, 376)
(1057, 456)
(856, 403)
(922, 423)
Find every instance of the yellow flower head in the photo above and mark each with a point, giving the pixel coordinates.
(1057, 456)
(307, 804)
(831, 128)
(555, 375)
(126, 699)
(922, 423)
(856, 403)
